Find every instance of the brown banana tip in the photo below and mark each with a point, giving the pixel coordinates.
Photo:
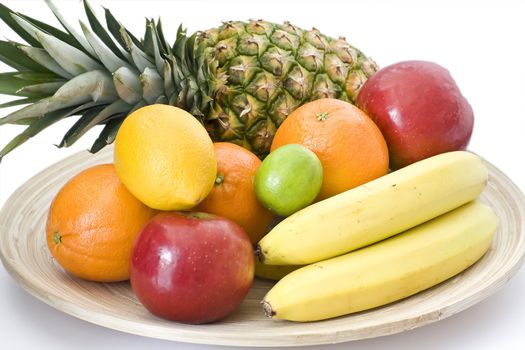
(259, 253)
(267, 308)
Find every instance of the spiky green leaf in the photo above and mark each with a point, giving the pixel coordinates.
(37, 126)
(165, 47)
(169, 84)
(89, 120)
(20, 102)
(94, 86)
(193, 89)
(111, 61)
(24, 121)
(38, 77)
(152, 85)
(115, 27)
(75, 36)
(11, 55)
(108, 134)
(42, 57)
(172, 99)
(159, 61)
(10, 84)
(149, 38)
(179, 50)
(139, 57)
(176, 74)
(70, 58)
(46, 89)
(101, 32)
(190, 52)
(32, 111)
(127, 84)
(5, 15)
(55, 32)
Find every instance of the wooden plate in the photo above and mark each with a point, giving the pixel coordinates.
(25, 256)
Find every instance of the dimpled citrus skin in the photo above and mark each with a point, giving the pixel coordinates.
(350, 146)
(289, 179)
(233, 195)
(92, 224)
(165, 157)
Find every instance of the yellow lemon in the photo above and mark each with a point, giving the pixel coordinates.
(165, 157)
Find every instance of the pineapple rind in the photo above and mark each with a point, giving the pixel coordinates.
(241, 79)
(263, 71)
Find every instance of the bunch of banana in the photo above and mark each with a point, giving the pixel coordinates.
(425, 217)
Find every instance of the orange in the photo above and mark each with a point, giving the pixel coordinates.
(233, 195)
(92, 223)
(349, 145)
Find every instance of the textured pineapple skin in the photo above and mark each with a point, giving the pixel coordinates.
(259, 72)
(241, 79)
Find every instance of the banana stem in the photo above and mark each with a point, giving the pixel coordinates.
(259, 253)
(267, 308)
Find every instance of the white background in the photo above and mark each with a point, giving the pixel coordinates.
(482, 43)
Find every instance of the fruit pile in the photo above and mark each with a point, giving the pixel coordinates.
(182, 217)
(252, 149)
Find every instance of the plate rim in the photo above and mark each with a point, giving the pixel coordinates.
(312, 338)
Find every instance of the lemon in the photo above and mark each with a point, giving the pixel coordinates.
(165, 158)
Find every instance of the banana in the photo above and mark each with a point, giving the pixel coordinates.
(376, 210)
(386, 271)
(273, 272)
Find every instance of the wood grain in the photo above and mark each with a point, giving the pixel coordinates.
(24, 254)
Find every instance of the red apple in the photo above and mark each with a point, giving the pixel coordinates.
(419, 109)
(191, 267)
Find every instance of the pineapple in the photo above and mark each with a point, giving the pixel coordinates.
(241, 79)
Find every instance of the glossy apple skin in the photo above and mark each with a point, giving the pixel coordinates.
(191, 267)
(420, 110)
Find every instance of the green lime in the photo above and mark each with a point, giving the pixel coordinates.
(288, 179)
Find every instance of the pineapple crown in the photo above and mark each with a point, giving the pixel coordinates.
(102, 75)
